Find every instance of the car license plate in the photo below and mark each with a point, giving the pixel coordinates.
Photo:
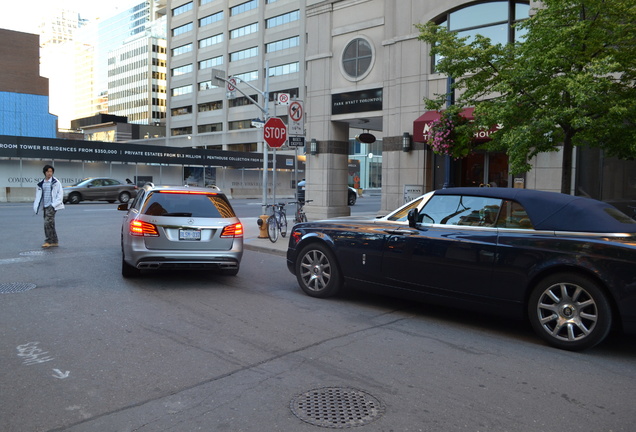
(190, 235)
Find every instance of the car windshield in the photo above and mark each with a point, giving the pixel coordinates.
(81, 182)
(401, 214)
(185, 204)
(461, 210)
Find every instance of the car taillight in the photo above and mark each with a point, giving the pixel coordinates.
(140, 228)
(235, 230)
(295, 235)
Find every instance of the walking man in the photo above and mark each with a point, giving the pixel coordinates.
(49, 197)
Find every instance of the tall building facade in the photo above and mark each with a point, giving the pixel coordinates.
(59, 26)
(137, 81)
(261, 43)
(116, 60)
(58, 46)
(136, 71)
(24, 94)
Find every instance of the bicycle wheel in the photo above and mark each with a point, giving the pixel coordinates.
(283, 224)
(272, 229)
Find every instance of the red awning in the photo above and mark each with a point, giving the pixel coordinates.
(422, 124)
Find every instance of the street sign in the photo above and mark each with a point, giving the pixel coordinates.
(282, 98)
(296, 141)
(218, 77)
(275, 132)
(258, 123)
(296, 119)
(231, 85)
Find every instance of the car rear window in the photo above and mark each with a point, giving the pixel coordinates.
(186, 204)
(619, 215)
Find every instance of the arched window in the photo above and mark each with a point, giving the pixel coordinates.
(494, 20)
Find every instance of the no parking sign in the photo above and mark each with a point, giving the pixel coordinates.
(282, 98)
(296, 118)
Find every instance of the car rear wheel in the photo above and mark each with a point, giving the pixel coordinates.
(124, 197)
(317, 271)
(127, 270)
(74, 198)
(570, 311)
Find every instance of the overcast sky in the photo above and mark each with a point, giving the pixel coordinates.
(25, 15)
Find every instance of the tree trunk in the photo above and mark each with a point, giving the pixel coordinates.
(566, 167)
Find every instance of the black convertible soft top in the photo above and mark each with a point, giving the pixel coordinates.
(554, 211)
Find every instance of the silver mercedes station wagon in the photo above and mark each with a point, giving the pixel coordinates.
(180, 227)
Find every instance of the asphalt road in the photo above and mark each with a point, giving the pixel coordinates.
(85, 350)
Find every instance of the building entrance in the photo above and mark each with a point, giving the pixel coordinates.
(483, 169)
(476, 170)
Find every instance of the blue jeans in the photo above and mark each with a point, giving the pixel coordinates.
(49, 225)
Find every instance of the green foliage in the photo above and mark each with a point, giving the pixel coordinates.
(569, 82)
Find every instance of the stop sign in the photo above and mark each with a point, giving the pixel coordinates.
(275, 132)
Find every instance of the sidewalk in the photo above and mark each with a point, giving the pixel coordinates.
(252, 242)
(252, 231)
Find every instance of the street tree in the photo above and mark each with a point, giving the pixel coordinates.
(568, 80)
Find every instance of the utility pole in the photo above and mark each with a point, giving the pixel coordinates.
(450, 100)
(219, 76)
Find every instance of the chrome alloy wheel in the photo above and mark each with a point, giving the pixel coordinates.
(315, 270)
(567, 312)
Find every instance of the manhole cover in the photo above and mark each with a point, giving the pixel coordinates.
(9, 288)
(336, 407)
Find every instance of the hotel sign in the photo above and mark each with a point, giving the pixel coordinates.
(356, 102)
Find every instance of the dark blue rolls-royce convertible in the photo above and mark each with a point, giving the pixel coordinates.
(565, 263)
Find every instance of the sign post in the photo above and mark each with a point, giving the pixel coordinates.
(219, 77)
(296, 115)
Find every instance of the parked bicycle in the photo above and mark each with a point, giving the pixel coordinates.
(300, 215)
(277, 222)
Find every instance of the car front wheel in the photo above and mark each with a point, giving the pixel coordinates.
(570, 311)
(317, 271)
(352, 199)
(124, 197)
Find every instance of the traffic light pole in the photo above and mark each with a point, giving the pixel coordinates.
(265, 110)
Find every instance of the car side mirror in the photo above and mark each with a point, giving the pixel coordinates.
(123, 206)
(412, 217)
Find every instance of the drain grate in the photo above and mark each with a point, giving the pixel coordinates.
(336, 407)
(10, 288)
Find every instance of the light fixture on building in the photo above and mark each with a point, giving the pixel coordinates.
(406, 142)
(313, 147)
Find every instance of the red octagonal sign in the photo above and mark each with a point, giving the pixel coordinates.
(275, 132)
